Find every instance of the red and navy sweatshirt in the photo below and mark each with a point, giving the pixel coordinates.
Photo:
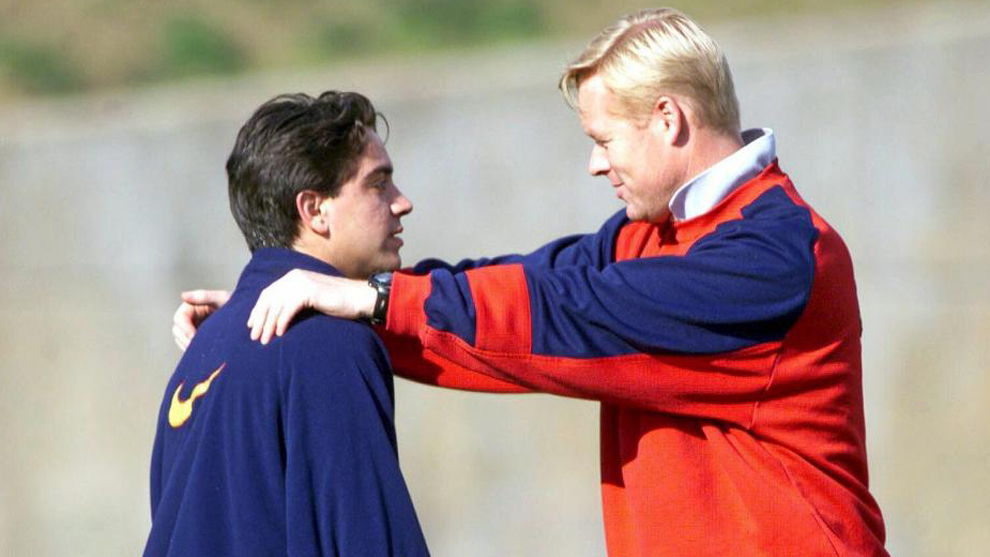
(285, 449)
(725, 351)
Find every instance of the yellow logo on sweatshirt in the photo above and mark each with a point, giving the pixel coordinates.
(180, 410)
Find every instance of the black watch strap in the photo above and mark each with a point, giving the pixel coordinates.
(382, 283)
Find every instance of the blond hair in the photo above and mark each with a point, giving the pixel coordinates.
(656, 52)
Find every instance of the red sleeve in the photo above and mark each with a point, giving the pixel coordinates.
(411, 359)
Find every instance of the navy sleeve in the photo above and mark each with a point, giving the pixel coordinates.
(743, 284)
(583, 251)
(345, 493)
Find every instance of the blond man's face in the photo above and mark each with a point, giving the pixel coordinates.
(628, 152)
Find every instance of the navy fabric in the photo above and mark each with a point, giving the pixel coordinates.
(454, 288)
(292, 450)
(450, 284)
(759, 269)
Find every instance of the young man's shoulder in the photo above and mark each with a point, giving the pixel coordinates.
(331, 333)
(324, 348)
(315, 338)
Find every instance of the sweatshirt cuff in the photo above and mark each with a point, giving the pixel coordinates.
(406, 316)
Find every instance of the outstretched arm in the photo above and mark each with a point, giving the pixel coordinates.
(692, 333)
(298, 290)
(355, 299)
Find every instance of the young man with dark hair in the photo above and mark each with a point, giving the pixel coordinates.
(290, 449)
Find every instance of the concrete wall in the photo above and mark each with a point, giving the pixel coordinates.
(111, 204)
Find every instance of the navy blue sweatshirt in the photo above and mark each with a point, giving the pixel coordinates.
(284, 449)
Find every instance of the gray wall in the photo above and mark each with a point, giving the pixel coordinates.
(111, 204)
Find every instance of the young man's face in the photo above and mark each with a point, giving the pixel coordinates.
(365, 216)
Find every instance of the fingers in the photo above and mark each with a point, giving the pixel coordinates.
(196, 306)
(184, 325)
(180, 338)
(277, 305)
(256, 321)
(286, 315)
(268, 331)
(264, 317)
(212, 298)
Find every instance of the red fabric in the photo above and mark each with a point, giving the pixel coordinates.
(499, 328)
(691, 465)
(410, 358)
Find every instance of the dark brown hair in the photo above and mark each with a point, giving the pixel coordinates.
(290, 144)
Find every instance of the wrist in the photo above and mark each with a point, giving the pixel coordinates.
(366, 301)
(381, 285)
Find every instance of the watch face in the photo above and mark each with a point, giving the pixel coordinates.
(384, 279)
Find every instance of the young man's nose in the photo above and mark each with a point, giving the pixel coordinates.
(401, 204)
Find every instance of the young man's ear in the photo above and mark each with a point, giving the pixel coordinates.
(314, 211)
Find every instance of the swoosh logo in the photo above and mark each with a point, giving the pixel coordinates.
(180, 410)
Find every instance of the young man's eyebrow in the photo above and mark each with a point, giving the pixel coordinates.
(382, 169)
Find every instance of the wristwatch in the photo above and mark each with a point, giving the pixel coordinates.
(382, 283)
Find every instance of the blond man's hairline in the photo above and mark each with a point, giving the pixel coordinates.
(599, 55)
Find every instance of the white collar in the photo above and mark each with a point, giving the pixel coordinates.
(701, 193)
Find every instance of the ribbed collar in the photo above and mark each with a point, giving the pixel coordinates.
(701, 193)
